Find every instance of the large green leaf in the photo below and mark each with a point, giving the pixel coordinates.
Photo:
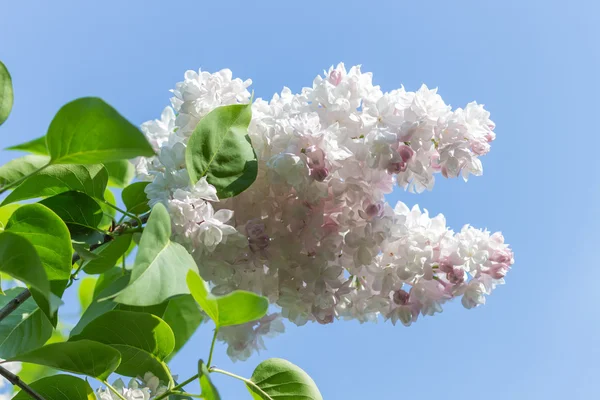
(160, 265)
(89, 131)
(184, 317)
(143, 339)
(20, 167)
(19, 259)
(84, 357)
(24, 329)
(221, 150)
(56, 179)
(6, 211)
(280, 379)
(108, 255)
(52, 242)
(209, 391)
(6, 93)
(86, 292)
(35, 146)
(238, 307)
(135, 199)
(80, 212)
(60, 387)
(120, 173)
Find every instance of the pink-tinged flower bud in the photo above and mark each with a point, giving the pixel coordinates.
(498, 271)
(480, 147)
(401, 297)
(490, 137)
(371, 210)
(319, 174)
(456, 276)
(396, 168)
(405, 152)
(257, 237)
(502, 256)
(335, 77)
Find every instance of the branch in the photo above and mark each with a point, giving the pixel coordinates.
(14, 303)
(16, 381)
(24, 295)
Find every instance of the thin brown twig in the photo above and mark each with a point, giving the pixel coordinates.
(16, 381)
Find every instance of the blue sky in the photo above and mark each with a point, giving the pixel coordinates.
(534, 64)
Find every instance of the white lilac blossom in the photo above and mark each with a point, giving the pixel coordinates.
(314, 233)
(138, 389)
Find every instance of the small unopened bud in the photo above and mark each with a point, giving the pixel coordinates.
(319, 174)
(401, 297)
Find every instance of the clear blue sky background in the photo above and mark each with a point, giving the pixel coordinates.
(534, 64)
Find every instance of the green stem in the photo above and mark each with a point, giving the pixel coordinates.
(212, 347)
(114, 390)
(139, 221)
(246, 381)
(18, 181)
(176, 388)
(196, 396)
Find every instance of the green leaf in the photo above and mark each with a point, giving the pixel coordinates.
(56, 179)
(80, 212)
(6, 93)
(83, 250)
(86, 292)
(89, 131)
(19, 259)
(20, 167)
(135, 198)
(108, 255)
(184, 317)
(52, 243)
(60, 387)
(107, 279)
(160, 265)
(84, 357)
(144, 341)
(35, 146)
(209, 391)
(5, 213)
(109, 212)
(238, 307)
(25, 329)
(221, 150)
(120, 173)
(278, 378)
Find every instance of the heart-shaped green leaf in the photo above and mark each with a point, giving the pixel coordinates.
(20, 167)
(6, 212)
(209, 391)
(24, 329)
(184, 317)
(108, 255)
(86, 292)
(135, 198)
(84, 357)
(60, 387)
(280, 379)
(50, 237)
(221, 150)
(238, 307)
(144, 341)
(56, 179)
(120, 173)
(35, 146)
(159, 264)
(6, 93)
(19, 259)
(80, 212)
(89, 131)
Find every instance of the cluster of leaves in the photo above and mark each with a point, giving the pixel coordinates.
(134, 320)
